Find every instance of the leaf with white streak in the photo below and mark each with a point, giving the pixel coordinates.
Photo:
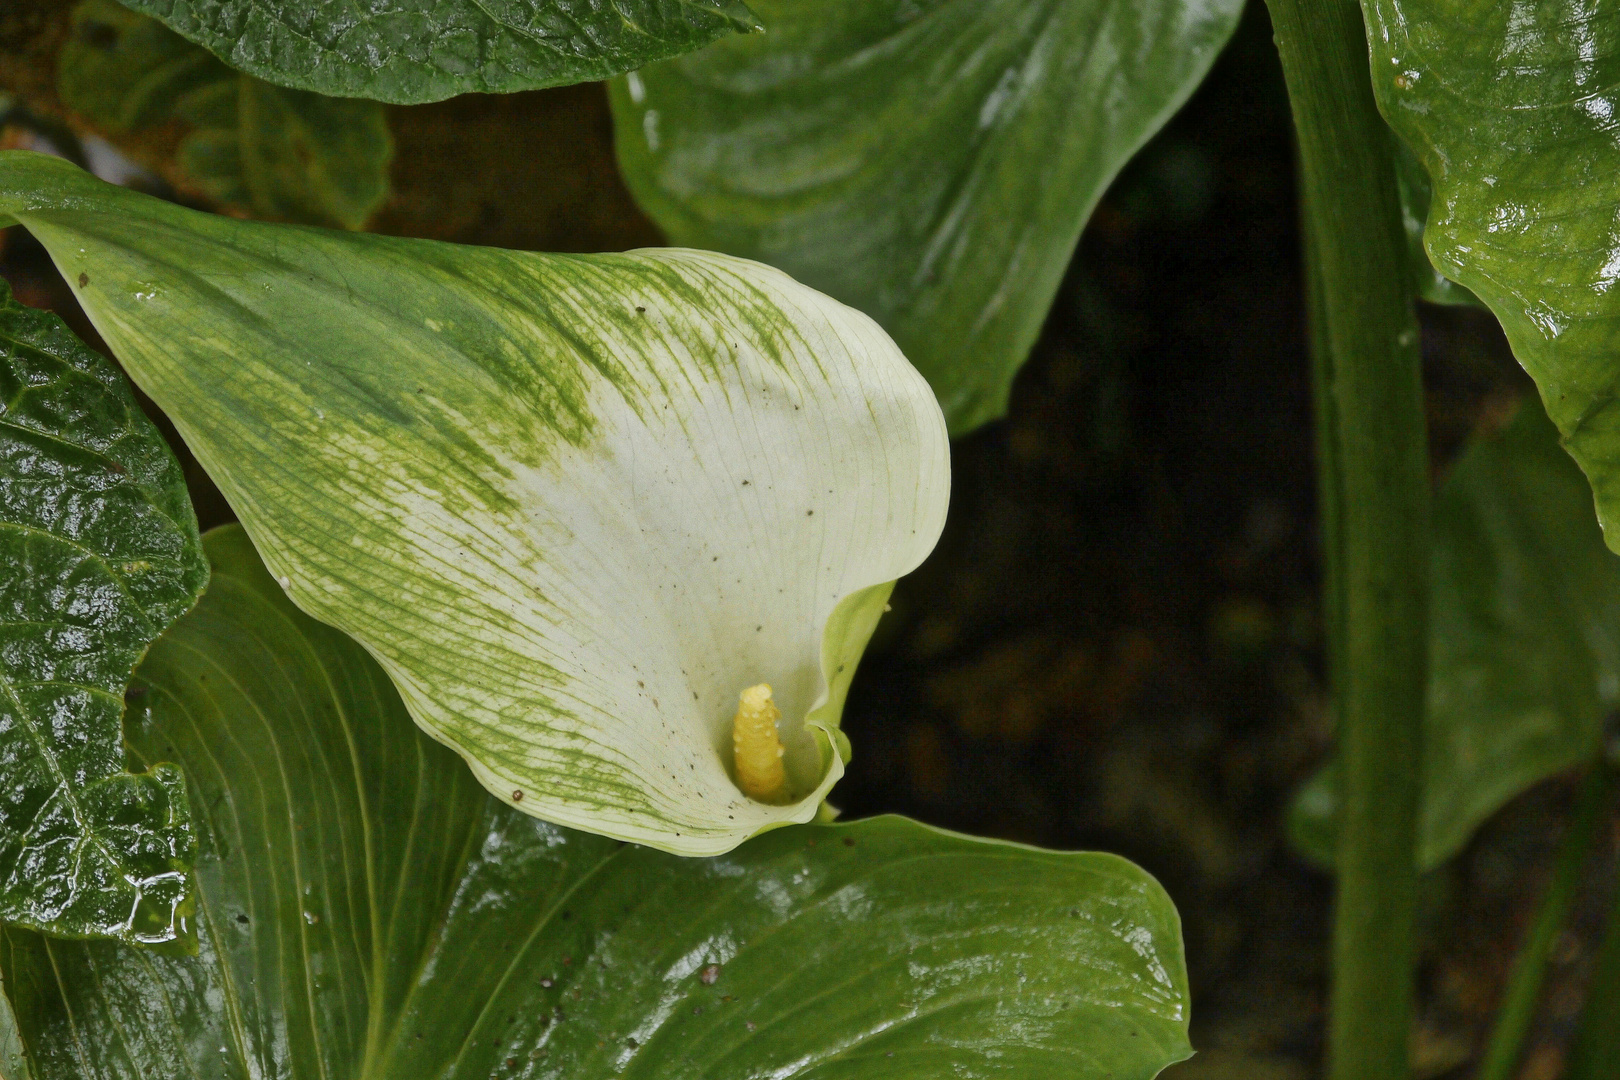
(573, 504)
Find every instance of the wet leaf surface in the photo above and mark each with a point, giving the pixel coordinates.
(1417, 192)
(1510, 108)
(101, 553)
(366, 910)
(428, 50)
(928, 163)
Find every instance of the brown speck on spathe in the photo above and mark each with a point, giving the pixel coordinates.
(84, 279)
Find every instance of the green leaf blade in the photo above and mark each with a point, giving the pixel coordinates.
(1524, 643)
(366, 911)
(1416, 193)
(276, 153)
(1509, 109)
(13, 1054)
(929, 164)
(428, 50)
(102, 553)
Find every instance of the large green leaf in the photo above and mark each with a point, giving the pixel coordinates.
(930, 162)
(574, 504)
(100, 553)
(1524, 644)
(275, 153)
(1511, 109)
(426, 50)
(366, 911)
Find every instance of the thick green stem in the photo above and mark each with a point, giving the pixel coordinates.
(1595, 1054)
(1530, 968)
(1329, 490)
(1380, 465)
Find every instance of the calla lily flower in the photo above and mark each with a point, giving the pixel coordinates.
(576, 506)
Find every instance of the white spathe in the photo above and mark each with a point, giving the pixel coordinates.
(686, 552)
(573, 504)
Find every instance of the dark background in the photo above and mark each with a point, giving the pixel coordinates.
(1117, 644)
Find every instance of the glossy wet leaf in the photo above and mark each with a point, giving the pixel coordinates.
(1511, 109)
(575, 504)
(426, 50)
(1416, 193)
(930, 163)
(100, 551)
(367, 911)
(1525, 645)
(275, 153)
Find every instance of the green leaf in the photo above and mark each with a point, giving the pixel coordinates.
(366, 911)
(1416, 193)
(1524, 643)
(574, 504)
(273, 152)
(427, 50)
(930, 162)
(13, 1055)
(1510, 109)
(101, 553)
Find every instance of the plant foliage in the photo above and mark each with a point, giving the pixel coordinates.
(930, 163)
(101, 553)
(426, 50)
(1524, 638)
(251, 146)
(1511, 110)
(367, 911)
